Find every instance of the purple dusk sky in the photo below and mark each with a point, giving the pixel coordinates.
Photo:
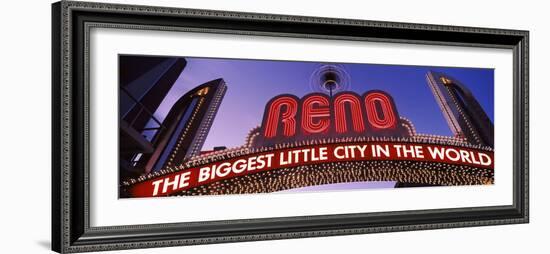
(344, 186)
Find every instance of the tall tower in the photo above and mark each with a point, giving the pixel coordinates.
(464, 115)
(185, 127)
(144, 82)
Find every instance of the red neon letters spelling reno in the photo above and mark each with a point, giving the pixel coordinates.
(318, 114)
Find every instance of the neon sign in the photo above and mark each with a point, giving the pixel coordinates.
(317, 115)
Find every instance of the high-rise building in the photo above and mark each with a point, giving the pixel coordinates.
(465, 116)
(144, 82)
(184, 129)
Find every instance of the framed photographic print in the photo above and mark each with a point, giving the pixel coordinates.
(181, 126)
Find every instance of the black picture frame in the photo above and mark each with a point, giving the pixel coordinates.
(71, 231)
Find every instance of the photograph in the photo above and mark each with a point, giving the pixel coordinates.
(193, 126)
